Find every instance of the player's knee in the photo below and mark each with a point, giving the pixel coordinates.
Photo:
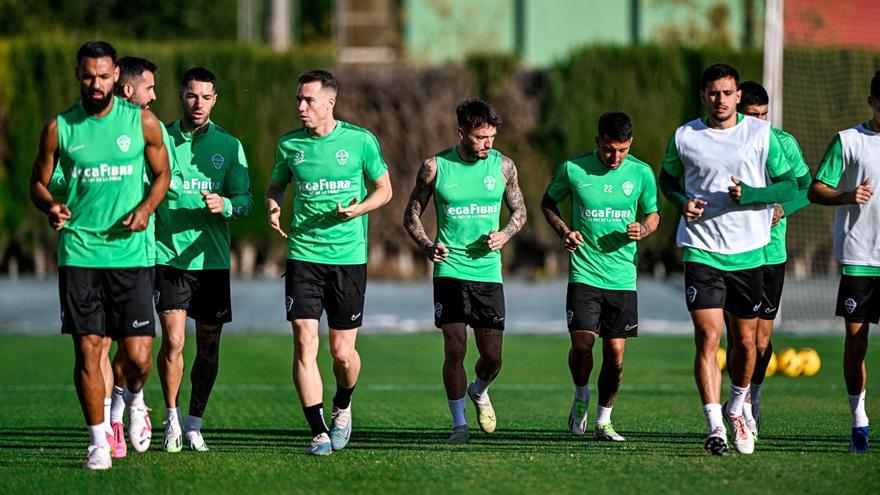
(305, 343)
(342, 354)
(455, 353)
(492, 361)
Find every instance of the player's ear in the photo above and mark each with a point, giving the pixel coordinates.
(460, 133)
(127, 90)
(115, 74)
(739, 95)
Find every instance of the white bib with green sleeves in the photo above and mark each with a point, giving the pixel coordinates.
(857, 227)
(710, 157)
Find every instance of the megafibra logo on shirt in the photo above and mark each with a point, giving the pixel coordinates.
(102, 173)
(606, 215)
(323, 186)
(195, 185)
(473, 210)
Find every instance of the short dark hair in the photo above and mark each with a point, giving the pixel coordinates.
(718, 71)
(198, 74)
(131, 68)
(326, 78)
(616, 126)
(875, 85)
(95, 49)
(752, 94)
(474, 113)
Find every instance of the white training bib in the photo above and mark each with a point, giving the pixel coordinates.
(857, 227)
(710, 157)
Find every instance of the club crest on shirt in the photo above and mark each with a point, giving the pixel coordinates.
(850, 305)
(124, 142)
(691, 293)
(217, 160)
(489, 182)
(298, 157)
(627, 187)
(341, 157)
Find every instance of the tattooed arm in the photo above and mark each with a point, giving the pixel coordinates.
(418, 201)
(514, 199)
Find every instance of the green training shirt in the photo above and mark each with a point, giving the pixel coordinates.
(58, 187)
(604, 202)
(467, 197)
(830, 171)
(776, 166)
(775, 252)
(188, 235)
(326, 171)
(102, 161)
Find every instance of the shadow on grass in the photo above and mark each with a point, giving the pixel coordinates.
(17, 442)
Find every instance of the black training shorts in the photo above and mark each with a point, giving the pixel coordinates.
(612, 314)
(203, 294)
(111, 302)
(311, 288)
(478, 304)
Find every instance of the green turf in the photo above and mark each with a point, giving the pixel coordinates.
(257, 434)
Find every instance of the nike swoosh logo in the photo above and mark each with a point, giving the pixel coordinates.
(630, 327)
(450, 186)
(220, 314)
(497, 319)
(581, 186)
(139, 324)
(355, 317)
(78, 147)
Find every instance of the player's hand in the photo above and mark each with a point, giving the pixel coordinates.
(572, 240)
(778, 213)
(436, 252)
(693, 209)
(735, 190)
(275, 222)
(863, 192)
(497, 240)
(214, 202)
(58, 215)
(349, 212)
(137, 220)
(636, 231)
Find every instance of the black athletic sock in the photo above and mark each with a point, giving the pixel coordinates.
(315, 417)
(342, 399)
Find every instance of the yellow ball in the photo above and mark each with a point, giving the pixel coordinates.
(790, 363)
(811, 360)
(773, 365)
(721, 355)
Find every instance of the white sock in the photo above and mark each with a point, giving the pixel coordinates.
(756, 393)
(603, 415)
(117, 406)
(582, 393)
(713, 416)
(136, 399)
(737, 397)
(193, 423)
(747, 411)
(857, 406)
(97, 435)
(479, 387)
(172, 418)
(456, 407)
(107, 402)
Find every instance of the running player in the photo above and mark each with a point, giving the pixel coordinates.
(846, 179)
(607, 186)
(329, 162)
(103, 145)
(136, 84)
(754, 103)
(468, 182)
(726, 200)
(192, 241)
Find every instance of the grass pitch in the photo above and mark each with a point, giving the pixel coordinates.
(257, 434)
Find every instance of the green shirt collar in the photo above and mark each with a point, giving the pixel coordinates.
(188, 136)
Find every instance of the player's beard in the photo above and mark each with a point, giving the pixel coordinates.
(94, 106)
